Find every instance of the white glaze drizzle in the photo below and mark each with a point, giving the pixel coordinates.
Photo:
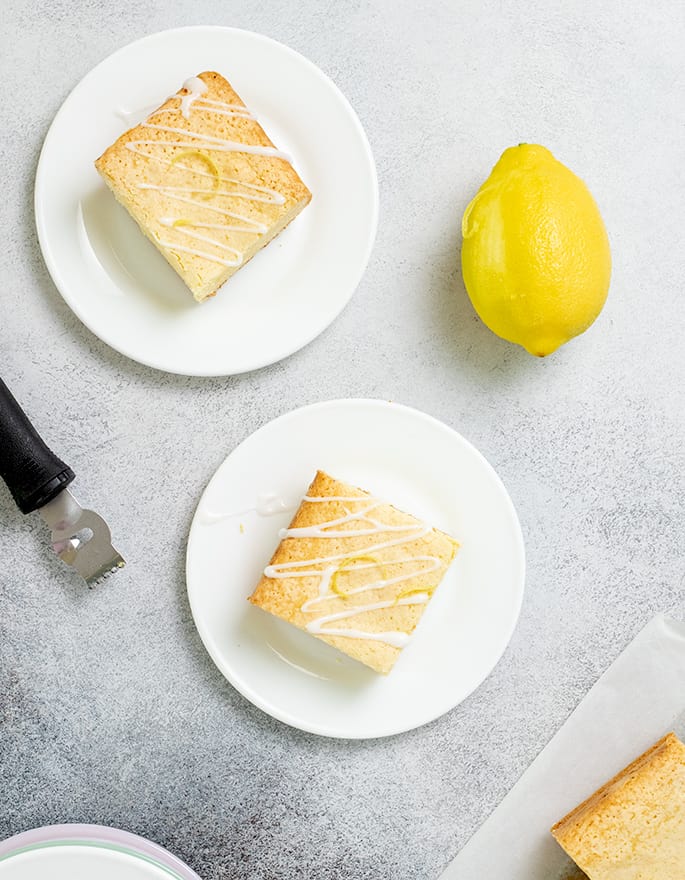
(132, 116)
(267, 504)
(195, 87)
(342, 498)
(270, 196)
(325, 530)
(280, 570)
(169, 221)
(218, 107)
(169, 191)
(329, 529)
(209, 142)
(227, 256)
(236, 261)
(327, 576)
(395, 639)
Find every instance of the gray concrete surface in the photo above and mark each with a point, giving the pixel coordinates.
(110, 709)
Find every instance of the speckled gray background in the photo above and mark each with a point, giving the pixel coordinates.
(111, 710)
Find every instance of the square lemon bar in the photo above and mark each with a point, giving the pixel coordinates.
(204, 182)
(354, 572)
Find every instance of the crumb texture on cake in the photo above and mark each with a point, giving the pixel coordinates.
(633, 827)
(354, 571)
(204, 182)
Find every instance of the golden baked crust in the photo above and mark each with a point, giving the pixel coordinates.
(633, 827)
(401, 556)
(189, 191)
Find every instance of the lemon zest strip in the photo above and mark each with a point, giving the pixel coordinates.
(403, 595)
(209, 162)
(347, 564)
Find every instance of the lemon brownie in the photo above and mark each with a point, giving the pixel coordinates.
(354, 571)
(633, 828)
(204, 182)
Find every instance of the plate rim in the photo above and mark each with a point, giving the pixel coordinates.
(52, 263)
(322, 729)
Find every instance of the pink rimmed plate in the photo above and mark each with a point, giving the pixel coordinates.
(82, 852)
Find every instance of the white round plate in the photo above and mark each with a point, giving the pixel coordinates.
(410, 460)
(117, 282)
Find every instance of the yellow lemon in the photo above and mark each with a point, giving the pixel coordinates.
(535, 257)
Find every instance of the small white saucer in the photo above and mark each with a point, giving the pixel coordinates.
(404, 457)
(117, 282)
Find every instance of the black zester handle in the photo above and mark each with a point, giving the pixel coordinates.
(34, 475)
